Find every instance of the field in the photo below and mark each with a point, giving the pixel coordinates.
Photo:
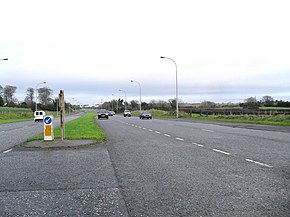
(279, 120)
(9, 115)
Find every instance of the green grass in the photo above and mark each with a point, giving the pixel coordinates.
(279, 120)
(9, 115)
(274, 108)
(84, 127)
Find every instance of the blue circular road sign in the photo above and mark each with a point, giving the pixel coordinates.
(47, 120)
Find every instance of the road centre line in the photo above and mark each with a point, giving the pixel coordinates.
(157, 132)
(259, 163)
(167, 135)
(144, 128)
(5, 152)
(220, 151)
(210, 131)
(180, 139)
(200, 145)
(150, 130)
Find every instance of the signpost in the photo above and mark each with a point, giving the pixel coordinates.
(62, 111)
(48, 128)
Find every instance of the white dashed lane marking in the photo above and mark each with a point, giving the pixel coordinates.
(259, 163)
(210, 131)
(194, 143)
(199, 145)
(180, 139)
(5, 152)
(220, 151)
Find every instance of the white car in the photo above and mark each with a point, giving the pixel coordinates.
(127, 113)
(39, 115)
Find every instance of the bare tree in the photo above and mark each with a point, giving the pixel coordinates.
(1, 91)
(268, 100)
(251, 102)
(8, 93)
(44, 95)
(29, 96)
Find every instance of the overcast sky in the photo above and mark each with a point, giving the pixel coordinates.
(225, 50)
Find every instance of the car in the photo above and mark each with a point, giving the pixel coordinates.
(146, 115)
(111, 113)
(127, 113)
(38, 116)
(103, 113)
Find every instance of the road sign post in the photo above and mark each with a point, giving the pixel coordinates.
(62, 111)
(48, 134)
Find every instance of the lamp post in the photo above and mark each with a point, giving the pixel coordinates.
(117, 103)
(125, 99)
(139, 93)
(176, 83)
(44, 82)
(4, 59)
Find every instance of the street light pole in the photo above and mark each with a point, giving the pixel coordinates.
(117, 103)
(176, 84)
(139, 93)
(44, 82)
(125, 99)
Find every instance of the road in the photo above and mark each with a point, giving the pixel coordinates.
(16, 133)
(153, 168)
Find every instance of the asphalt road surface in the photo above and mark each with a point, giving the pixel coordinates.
(15, 133)
(153, 168)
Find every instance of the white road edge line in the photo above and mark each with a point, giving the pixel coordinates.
(200, 145)
(167, 135)
(5, 152)
(180, 139)
(220, 151)
(259, 163)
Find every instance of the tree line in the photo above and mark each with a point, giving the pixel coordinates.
(44, 98)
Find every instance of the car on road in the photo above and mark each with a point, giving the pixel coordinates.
(146, 115)
(38, 116)
(103, 113)
(111, 113)
(127, 113)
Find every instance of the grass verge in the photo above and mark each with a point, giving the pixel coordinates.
(84, 127)
(277, 120)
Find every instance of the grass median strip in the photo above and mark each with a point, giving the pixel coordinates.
(84, 127)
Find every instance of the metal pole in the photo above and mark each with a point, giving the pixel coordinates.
(175, 85)
(125, 99)
(139, 94)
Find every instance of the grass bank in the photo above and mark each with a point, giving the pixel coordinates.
(10, 115)
(278, 120)
(84, 127)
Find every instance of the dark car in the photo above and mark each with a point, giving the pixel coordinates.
(103, 113)
(145, 115)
